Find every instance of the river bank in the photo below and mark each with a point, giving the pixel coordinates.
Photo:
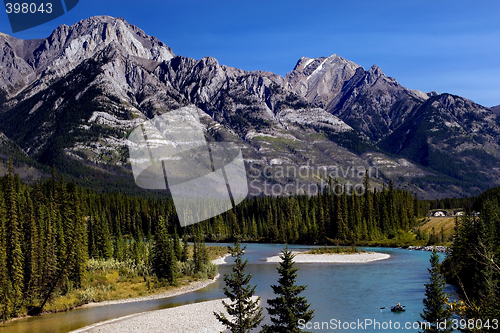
(192, 286)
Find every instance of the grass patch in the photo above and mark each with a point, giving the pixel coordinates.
(447, 223)
(335, 250)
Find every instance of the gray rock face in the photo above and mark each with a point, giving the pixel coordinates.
(496, 109)
(374, 103)
(368, 101)
(320, 80)
(76, 95)
(53, 57)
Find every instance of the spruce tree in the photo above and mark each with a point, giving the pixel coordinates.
(161, 251)
(171, 264)
(119, 249)
(245, 312)
(185, 249)
(200, 253)
(5, 285)
(103, 247)
(288, 307)
(436, 312)
(177, 245)
(30, 250)
(15, 258)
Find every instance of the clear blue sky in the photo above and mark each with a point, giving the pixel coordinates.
(447, 46)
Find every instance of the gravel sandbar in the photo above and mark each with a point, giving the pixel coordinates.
(362, 257)
(197, 317)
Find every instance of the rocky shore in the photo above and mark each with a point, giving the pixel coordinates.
(197, 317)
(442, 249)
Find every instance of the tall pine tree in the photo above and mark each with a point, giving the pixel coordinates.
(14, 253)
(288, 307)
(161, 251)
(246, 312)
(436, 312)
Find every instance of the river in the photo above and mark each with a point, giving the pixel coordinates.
(337, 292)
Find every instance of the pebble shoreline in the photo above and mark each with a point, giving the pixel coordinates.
(197, 317)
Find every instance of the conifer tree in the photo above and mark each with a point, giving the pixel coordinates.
(119, 251)
(30, 249)
(177, 245)
(288, 307)
(436, 312)
(246, 311)
(200, 254)
(5, 302)
(14, 252)
(161, 251)
(171, 264)
(103, 247)
(185, 249)
(78, 246)
(368, 206)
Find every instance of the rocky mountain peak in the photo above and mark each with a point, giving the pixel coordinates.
(43, 59)
(375, 70)
(319, 80)
(85, 38)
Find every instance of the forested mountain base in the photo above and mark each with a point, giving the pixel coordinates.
(50, 230)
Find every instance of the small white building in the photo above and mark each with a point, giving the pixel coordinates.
(439, 214)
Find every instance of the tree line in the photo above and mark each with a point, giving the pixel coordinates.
(327, 217)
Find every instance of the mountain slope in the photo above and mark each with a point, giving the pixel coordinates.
(496, 109)
(453, 135)
(374, 103)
